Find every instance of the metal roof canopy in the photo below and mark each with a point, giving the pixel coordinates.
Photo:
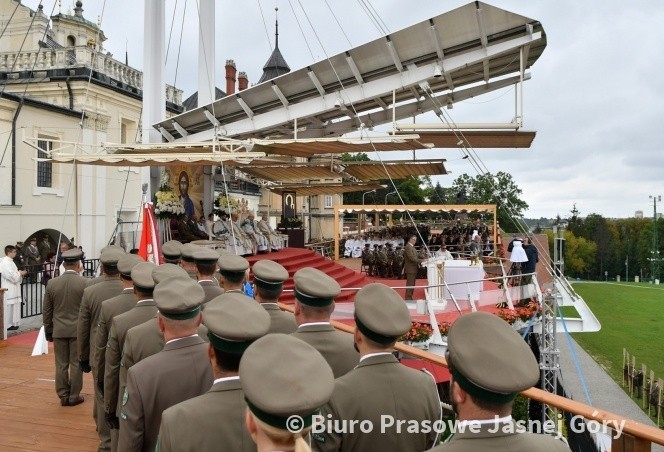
(478, 138)
(213, 153)
(477, 46)
(334, 169)
(325, 189)
(399, 208)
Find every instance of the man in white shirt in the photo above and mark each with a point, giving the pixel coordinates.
(11, 280)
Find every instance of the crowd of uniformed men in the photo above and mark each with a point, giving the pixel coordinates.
(183, 360)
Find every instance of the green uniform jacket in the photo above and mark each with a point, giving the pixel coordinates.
(211, 289)
(62, 303)
(411, 259)
(211, 422)
(179, 372)
(503, 440)
(109, 309)
(280, 321)
(142, 311)
(380, 386)
(337, 348)
(88, 317)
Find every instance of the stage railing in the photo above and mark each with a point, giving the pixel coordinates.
(634, 436)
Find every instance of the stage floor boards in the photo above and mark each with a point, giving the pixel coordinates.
(31, 418)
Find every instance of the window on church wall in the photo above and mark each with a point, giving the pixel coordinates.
(328, 201)
(44, 169)
(71, 41)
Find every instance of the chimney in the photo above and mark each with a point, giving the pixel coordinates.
(242, 81)
(230, 77)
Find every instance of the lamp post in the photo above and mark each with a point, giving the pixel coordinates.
(654, 261)
(390, 193)
(366, 193)
(364, 215)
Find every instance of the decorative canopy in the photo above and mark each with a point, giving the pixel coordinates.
(325, 189)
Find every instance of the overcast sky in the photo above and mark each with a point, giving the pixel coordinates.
(596, 97)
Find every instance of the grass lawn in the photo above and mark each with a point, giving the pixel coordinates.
(632, 317)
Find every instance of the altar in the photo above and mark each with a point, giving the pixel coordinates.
(461, 279)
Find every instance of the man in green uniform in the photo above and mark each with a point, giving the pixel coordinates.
(380, 386)
(486, 377)
(215, 420)
(88, 319)
(179, 372)
(62, 302)
(269, 278)
(144, 308)
(314, 295)
(233, 271)
(206, 265)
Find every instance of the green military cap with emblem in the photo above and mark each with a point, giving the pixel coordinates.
(128, 262)
(188, 251)
(205, 256)
(381, 314)
(166, 271)
(232, 264)
(269, 274)
(304, 380)
(141, 275)
(171, 249)
(315, 288)
(489, 359)
(232, 327)
(72, 256)
(179, 298)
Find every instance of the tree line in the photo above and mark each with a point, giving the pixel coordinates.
(599, 248)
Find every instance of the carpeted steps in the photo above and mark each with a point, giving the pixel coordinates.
(294, 259)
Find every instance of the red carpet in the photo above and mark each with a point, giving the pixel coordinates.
(294, 259)
(350, 281)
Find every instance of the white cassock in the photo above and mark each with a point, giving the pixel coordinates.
(249, 227)
(11, 280)
(276, 241)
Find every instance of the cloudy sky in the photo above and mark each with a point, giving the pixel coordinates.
(595, 97)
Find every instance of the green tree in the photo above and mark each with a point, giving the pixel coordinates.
(497, 189)
(579, 255)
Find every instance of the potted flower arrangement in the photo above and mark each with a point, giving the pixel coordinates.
(290, 223)
(166, 203)
(225, 204)
(418, 335)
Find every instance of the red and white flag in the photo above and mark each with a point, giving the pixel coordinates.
(149, 248)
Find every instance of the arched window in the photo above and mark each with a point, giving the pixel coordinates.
(71, 41)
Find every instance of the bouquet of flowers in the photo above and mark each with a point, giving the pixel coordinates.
(224, 204)
(290, 223)
(419, 332)
(166, 203)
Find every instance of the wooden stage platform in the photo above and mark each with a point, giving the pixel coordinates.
(31, 418)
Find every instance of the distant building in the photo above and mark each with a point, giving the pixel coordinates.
(638, 214)
(52, 69)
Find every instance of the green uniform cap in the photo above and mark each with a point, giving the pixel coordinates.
(167, 271)
(489, 359)
(72, 256)
(188, 251)
(179, 298)
(232, 264)
(205, 256)
(233, 326)
(304, 380)
(141, 275)
(128, 262)
(315, 288)
(111, 247)
(381, 314)
(111, 256)
(269, 274)
(171, 249)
